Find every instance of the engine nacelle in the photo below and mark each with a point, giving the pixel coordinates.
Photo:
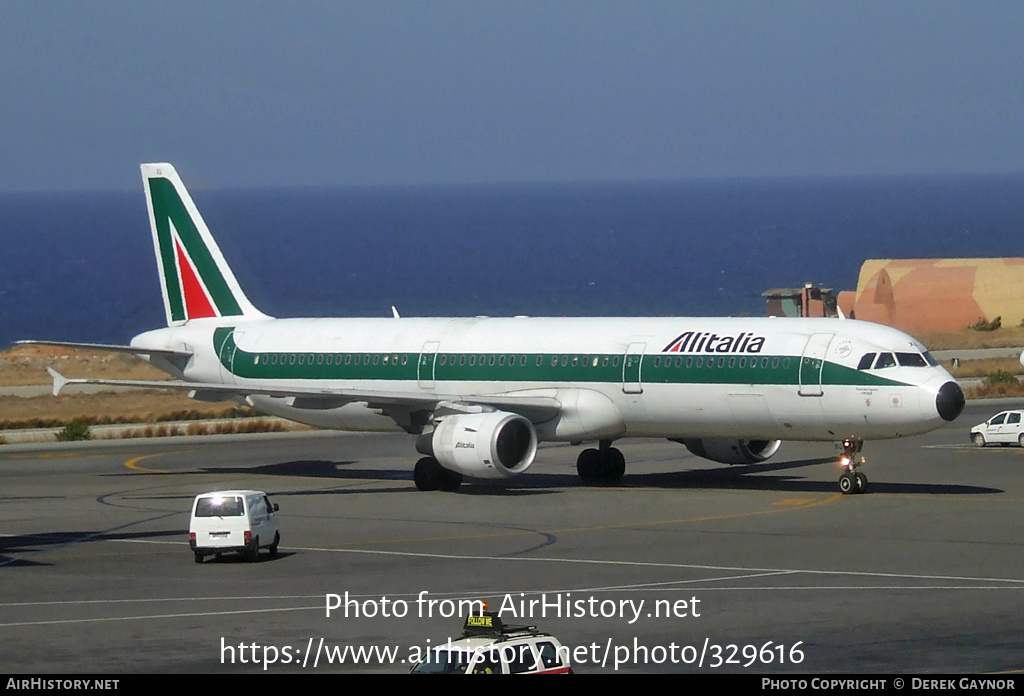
(732, 451)
(489, 445)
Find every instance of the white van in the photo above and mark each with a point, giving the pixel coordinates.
(233, 521)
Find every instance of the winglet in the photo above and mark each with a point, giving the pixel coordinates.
(59, 380)
(394, 312)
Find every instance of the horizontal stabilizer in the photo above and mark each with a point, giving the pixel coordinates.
(110, 348)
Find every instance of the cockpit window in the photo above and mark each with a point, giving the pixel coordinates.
(911, 360)
(885, 360)
(930, 360)
(865, 362)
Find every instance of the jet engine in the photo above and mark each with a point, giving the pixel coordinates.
(489, 445)
(732, 451)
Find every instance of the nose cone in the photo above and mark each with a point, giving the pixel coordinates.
(949, 402)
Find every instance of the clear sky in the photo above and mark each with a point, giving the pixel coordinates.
(379, 91)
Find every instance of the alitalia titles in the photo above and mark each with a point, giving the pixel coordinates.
(707, 342)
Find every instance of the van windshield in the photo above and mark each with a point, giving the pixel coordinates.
(217, 506)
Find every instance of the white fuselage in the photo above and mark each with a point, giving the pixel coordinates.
(748, 378)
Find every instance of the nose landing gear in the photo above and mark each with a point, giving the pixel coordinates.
(852, 481)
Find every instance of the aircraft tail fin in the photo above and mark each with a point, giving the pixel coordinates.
(194, 277)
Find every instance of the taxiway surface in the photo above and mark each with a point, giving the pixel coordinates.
(924, 573)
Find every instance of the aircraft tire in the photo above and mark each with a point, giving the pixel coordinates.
(449, 480)
(426, 474)
(615, 465)
(847, 484)
(862, 482)
(588, 466)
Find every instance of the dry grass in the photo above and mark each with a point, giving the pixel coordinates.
(994, 391)
(137, 406)
(26, 365)
(1005, 337)
(252, 425)
(983, 368)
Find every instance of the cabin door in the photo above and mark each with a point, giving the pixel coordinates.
(812, 362)
(425, 369)
(631, 363)
(226, 357)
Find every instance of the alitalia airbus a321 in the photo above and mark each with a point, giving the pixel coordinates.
(480, 393)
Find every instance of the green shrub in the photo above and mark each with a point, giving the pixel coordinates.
(983, 325)
(77, 429)
(1001, 377)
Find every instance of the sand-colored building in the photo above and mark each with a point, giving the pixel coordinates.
(922, 296)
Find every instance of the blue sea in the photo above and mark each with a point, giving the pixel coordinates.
(80, 266)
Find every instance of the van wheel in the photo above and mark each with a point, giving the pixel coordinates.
(254, 550)
(199, 557)
(277, 540)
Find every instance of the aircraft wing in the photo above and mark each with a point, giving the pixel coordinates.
(537, 409)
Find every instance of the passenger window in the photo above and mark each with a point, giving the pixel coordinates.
(1013, 418)
(865, 362)
(885, 360)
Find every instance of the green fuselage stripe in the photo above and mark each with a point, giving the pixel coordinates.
(658, 368)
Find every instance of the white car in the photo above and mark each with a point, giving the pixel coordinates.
(488, 646)
(1004, 428)
(233, 521)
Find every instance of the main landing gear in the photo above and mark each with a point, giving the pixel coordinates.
(603, 465)
(852, 481)
(429, 475)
